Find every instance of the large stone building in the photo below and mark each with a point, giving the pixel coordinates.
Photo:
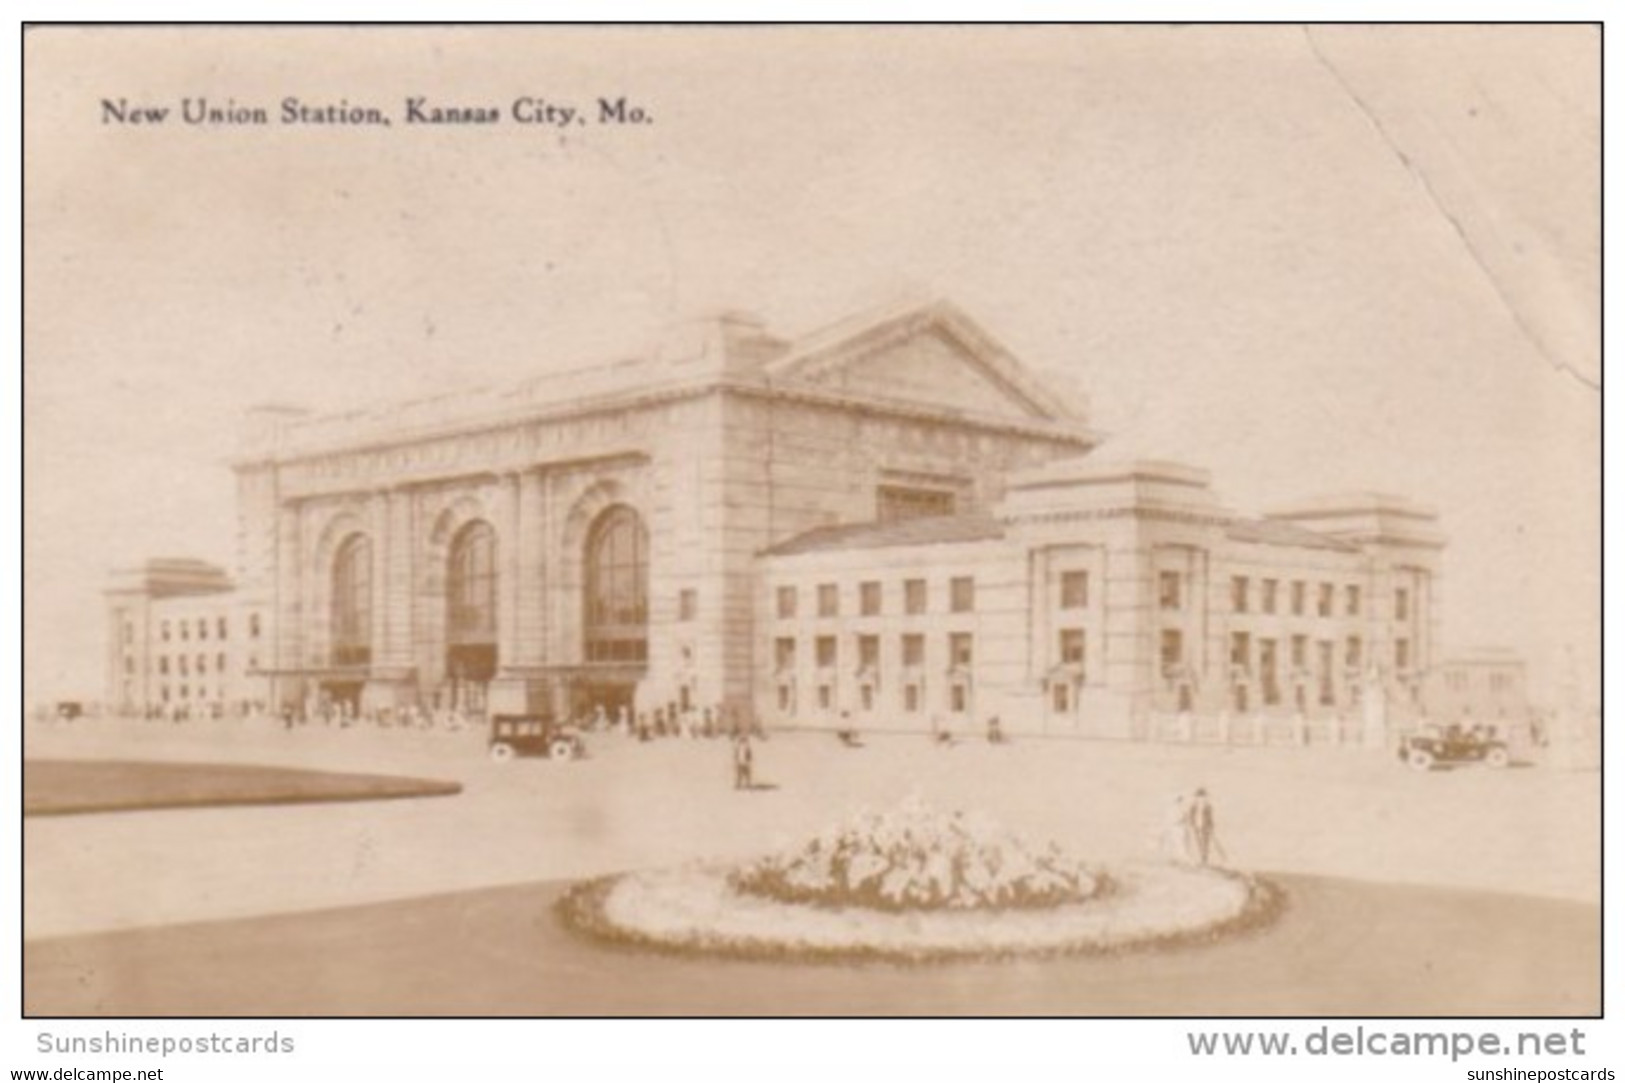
(890, 523)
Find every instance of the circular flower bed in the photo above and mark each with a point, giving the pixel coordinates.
(918, 885)
(916, 858)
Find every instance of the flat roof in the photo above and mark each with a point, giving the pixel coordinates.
(926, 530)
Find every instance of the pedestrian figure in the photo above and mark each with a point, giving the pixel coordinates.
(1204, 841)
(743, 762)
(1177, 843)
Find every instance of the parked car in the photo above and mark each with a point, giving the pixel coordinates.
(533, 735)
(1450, 745)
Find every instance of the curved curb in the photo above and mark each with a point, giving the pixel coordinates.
(584, 910)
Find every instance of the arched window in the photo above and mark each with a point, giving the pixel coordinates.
(352, 602)
(616, 606)
(471, 586)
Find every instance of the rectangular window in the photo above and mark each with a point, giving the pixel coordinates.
(895, 502)
(826, 652)
(958, 699)
(824, 697)
(914, 650)
(1061, 697)
(869, 599)
(1300, 652)
(220, 627)
(1299, 594)
(163, 631)
(202, 628)
(784, 699)
(962, 594)
(1267, 671)
(1072, 646)
(183, 666)
(867, 695)
(1268, 601)
(869, 654)
(1324, 650)
(1402, 655)
(787, 602)
(784, 654)
(129, 632)
(1169, 590)
(1239, 589)
(1402, 604)
(1353, 600)
(959, 650)
(163, 664)
(688, 604)
(911, 698)
(1241, 651)
(1172, 651)
(1352, 652)
(829, 600)
(219, 663)
(1323, 602)
(914, 596)
(253, 626)
(186, 630)
(202, 664)
(1074, 590)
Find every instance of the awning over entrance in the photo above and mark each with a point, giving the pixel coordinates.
(321, 673)
(593, 672)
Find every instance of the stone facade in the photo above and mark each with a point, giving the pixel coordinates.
(620, 536)
(723, 442)
(179, 636)
(1108, 600)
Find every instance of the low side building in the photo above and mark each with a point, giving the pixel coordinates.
(1096, 599)
(182, 637)
(1486, 686)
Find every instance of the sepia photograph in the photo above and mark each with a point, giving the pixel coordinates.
(630, 521)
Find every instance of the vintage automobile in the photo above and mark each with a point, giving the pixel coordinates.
(533, 735)
(1450, 745)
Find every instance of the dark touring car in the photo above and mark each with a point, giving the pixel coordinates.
(1450, 745)
(533, 735)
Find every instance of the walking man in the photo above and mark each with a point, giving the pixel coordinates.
(743, 761)
(1202, 836)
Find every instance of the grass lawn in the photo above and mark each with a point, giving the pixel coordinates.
(62, 787)
(1340, 948)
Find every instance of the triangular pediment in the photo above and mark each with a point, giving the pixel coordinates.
(929, 355)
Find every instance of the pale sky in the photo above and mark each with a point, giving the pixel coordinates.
(1307, 261)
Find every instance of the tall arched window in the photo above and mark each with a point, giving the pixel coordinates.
(352, 602)
(616, 606)
(471, 586)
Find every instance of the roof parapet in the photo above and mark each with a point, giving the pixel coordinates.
(1084, 483)
(1365, 517)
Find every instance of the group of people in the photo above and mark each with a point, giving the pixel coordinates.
(345, 713)
(1190, 836)
(670, 720)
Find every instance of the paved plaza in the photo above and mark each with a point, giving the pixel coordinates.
(1329, 812)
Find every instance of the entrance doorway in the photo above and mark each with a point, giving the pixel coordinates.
(469, 669)
(587, 696)
(344, 696)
